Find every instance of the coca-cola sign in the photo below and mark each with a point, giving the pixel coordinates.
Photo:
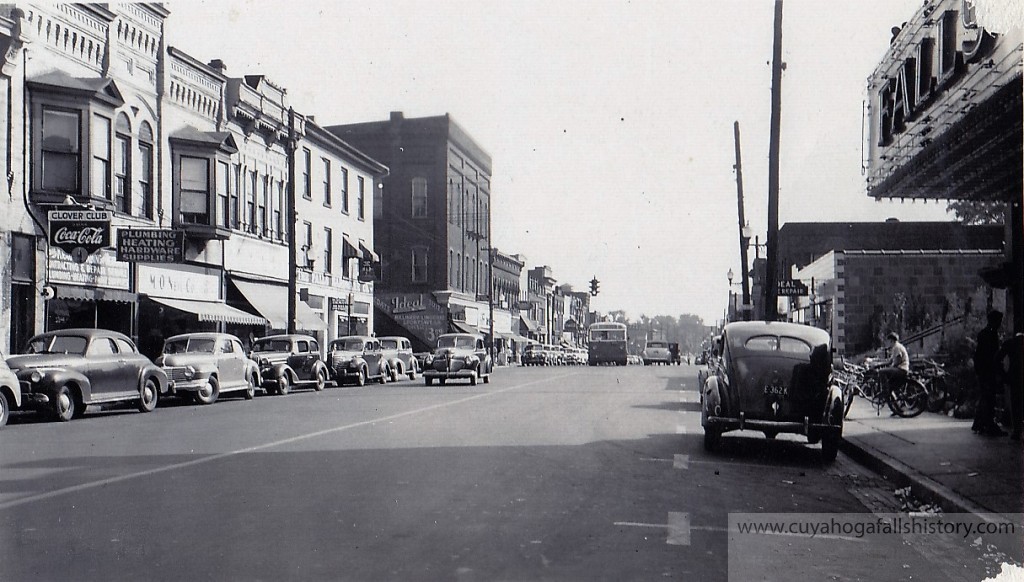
(77, 228)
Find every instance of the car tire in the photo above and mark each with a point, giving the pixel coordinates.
(5, 409)
(284, 384)
(487, 379)
(148, 396)
(712, 439)
(321, 381)
(440, 381)
(829, 449)
(64, 404)
(250, 388)
(472, 379)
(412, 371)
(209, 393)
(384, 373)
(427, 380)
(361, 377)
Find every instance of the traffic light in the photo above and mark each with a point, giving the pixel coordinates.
(594, 286)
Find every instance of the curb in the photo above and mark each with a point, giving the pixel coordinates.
(922, 486)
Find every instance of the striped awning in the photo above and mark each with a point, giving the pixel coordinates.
(212, 311)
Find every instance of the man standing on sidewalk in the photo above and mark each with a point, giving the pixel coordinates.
(990, 376)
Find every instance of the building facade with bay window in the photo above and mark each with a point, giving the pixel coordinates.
(116, 119)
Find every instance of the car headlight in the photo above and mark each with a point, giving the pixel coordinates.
(190, 372)
(35, 377)
(264, 362)
(470, 360)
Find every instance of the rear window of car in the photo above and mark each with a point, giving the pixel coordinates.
(272, 346)
(657, 345)
(771, 343)
(389, 344)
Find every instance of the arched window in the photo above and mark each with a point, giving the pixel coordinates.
(142, 195)
(122, 164)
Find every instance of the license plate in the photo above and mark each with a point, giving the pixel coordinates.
(776, 390)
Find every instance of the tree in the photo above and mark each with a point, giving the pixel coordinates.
(978, 212)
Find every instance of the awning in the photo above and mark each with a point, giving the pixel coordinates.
(461, 326)
(94, 294)
(271, 301)
(529, 323)
(368, 253)
(212, 311)
(348, 250)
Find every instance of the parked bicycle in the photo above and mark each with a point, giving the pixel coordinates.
(907, 398)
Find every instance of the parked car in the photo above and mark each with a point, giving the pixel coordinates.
(459, 355)
(357, 359)
(202, 366)
(535, 355)
(773, 377)
(288, 360)
(62, 372)
(657, 352)
(401, 361)
(10, 391)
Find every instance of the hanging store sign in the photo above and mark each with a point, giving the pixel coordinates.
(792, 288)
(79, 232)
(150, 245)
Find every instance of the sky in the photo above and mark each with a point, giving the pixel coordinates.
(609, 122)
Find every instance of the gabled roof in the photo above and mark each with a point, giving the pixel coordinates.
(100, 88)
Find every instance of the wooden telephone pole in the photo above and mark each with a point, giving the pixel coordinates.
(771, 283)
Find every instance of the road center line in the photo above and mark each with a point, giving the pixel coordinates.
(218, 456)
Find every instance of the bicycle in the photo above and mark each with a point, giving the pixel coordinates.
(907, 398)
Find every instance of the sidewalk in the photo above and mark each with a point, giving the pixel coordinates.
(939, 458)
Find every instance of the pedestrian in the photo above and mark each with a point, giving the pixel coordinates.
(895, 372)
(990, 376)
(1013, 349)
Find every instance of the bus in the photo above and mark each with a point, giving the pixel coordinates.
(607, 344)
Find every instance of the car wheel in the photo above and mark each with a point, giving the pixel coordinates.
(250, 388)
(383, 376)
(440, 381)
(149, 395)
(321, 381)
(208, 393)
(284, 384)
(712, 439)
(472, 379)
(412, 371)
(361, 377)
(487, 379)
(5, 409)
(770, 435)
(427, 381)
(395, 373)
(64, 404)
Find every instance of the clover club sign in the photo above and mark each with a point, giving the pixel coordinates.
(79, 232)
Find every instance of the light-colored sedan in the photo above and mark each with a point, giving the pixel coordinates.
(202, 366)
(10, 391)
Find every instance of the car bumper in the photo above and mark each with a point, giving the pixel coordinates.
(186, 385)
(463, 373)
(806, 427)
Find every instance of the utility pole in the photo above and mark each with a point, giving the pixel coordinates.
(290, 214)
(744, 269)
(771, 286)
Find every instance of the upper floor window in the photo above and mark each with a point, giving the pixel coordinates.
(194, 189)
(327, 181)
(61, 144)
(344, 190)
(307, 170)
(419, 264)
(419, 197)
(250, 201)
(100, 149)
(223, 197)
(328, 249)
(307, 262)
(142, 200)
(361, 198)
(264, 207)
(278, 206)
(122, 165)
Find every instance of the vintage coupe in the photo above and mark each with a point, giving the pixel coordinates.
(288, 360)
(459, 355)
(62, 372)
(358, 359)
(401, 361)
(773, 377)
(10, 391)
(202, 366)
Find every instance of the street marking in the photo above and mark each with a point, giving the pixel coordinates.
(681, 462)
(219, 456)
(678, 529)
(689, 397)
(680, 429)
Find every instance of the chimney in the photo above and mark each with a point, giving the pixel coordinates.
(397, 116)
(219, 66)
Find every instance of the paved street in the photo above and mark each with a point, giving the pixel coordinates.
(544, 474)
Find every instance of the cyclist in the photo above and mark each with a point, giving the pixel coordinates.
(899, 363)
